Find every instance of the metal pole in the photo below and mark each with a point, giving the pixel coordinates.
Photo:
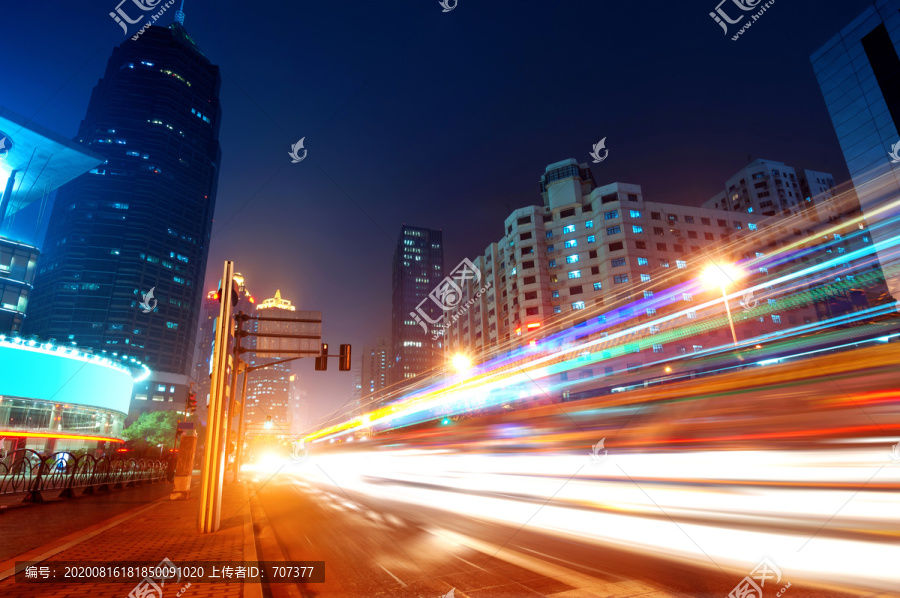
(209, 513)
(239, 451)
(728, 311)
(229, 419)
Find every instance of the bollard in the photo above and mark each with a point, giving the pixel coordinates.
(184, 466)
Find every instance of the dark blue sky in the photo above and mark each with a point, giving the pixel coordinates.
(443, 119)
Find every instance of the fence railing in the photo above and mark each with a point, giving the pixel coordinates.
(30, 473)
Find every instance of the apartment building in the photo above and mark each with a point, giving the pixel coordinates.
(591, 250)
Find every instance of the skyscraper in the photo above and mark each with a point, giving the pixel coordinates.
(269, 389)
(141, 221)
(418, 268)
(858, 71)
(376, 364)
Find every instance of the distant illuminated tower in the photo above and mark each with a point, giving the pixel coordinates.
(269, 389)
(418, 268)
(375, 378)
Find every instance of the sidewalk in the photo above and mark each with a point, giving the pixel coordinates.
(151, 532)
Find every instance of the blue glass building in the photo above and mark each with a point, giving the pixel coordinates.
(858, 71)
(142, 219)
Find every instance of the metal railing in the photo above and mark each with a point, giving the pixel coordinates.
(28, 472)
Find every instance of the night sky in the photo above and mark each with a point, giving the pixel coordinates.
(444, 120)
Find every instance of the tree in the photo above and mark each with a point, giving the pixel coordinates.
(153, 429)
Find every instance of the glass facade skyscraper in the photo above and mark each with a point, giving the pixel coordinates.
(142, 219)
(858, 71)
(418, 268)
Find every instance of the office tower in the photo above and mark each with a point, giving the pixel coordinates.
(417, 269)
(356, 384)
(376, 373)
(588, 251)
(857, 71)
(141, 220)
(269, 391)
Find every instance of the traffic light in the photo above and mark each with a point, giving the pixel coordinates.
(235, 294)
(344, 363)
(192, 403)
(322, 360)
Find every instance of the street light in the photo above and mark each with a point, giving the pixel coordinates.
(461, 363)
(720, 275)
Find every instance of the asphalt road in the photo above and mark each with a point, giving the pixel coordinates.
(377, 547)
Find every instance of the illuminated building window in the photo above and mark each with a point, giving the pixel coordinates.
(571, 259)
(578, 305)
(571, 243)
(575, 274)
(589, 224)
(664, 263)
(651, 311)
(557, 309)
(619, 261)
(645, 278)
(591, 239)
(776, 319)
(648, 294)
(620, 278)
(642, 261)
(687, 296)
(635, 214)
(692, 315)
(698, 348)
(569, 229)
(613, 230)
(598, 286)
(657, 348)
(637, 229)
(681, 264)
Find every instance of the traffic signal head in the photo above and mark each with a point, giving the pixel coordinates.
(344, 363)
(235, 293)
(322, 359)
(192, 402)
